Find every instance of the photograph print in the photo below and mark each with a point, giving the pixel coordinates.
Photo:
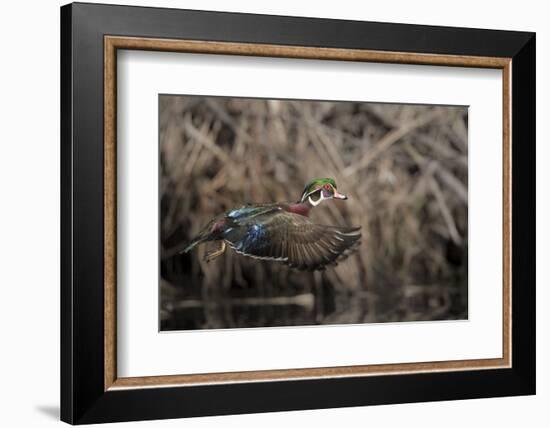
(282, 212)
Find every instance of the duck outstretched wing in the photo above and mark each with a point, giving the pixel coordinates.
(292, 239)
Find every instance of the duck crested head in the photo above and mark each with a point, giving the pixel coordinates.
(320, 189)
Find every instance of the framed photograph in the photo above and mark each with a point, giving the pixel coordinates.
(265, 213)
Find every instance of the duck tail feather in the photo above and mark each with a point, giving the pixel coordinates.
(192, 244)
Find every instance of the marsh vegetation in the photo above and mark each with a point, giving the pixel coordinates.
(404, 168)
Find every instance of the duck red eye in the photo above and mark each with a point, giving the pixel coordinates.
(327, 186)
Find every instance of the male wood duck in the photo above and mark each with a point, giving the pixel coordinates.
(282, 231)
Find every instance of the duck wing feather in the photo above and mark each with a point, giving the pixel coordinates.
(276, 234)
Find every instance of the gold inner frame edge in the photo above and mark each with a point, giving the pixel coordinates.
(113, 43)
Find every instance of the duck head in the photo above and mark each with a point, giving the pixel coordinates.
(320, 189)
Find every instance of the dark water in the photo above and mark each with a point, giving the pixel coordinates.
(322, 304)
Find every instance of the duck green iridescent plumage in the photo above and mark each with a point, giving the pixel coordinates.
(282, 231)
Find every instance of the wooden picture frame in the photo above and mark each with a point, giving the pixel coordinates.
(91, 390)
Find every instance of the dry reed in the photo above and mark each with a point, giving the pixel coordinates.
(404, 168)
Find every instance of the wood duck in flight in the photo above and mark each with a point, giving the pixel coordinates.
(282, 231)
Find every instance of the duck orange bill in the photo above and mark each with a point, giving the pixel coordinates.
(339, 195)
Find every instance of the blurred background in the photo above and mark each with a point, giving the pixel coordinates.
(404, 168)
